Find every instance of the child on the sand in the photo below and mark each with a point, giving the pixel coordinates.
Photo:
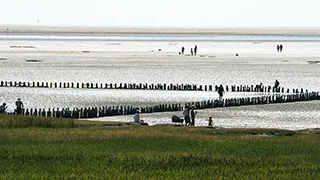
(210, 122)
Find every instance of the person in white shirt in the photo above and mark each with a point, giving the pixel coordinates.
(136, 117)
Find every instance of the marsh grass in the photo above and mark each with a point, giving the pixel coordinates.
(95, 150)
(11, 121)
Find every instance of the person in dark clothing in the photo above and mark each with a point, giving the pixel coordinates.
(220, 91)
(281, 47)
(210, 122)
(19, 105)
(3, 108)
(276, 85)
(278, 48)
(191, 52)
(182, 50)
(193, 115)
(195, 50)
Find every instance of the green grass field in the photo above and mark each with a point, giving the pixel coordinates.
(46, 148)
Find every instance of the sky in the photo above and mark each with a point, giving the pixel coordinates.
(162, 13)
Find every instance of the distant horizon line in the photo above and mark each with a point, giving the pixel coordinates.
(291, 30)
(165, 27)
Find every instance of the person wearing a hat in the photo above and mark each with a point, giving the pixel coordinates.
(136, 117)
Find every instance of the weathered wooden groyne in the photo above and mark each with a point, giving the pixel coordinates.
(96, 112)
(152, 86)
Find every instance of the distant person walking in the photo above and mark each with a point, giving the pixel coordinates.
(191, 52)
(195, 50)
(193, 115)
(280, 47)
(182, 50)
(276, 85)
(19, 105)
(220, 92)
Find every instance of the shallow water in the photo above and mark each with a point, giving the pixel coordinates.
(130, 61)
(73, 98)
(292, 116)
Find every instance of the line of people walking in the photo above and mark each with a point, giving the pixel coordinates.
(193, 51)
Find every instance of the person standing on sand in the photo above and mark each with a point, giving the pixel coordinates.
(210, 122)
(19, 105)
(193, 116)
(276, 85)
(191, 52)
(280, 47)
(186, 113)
(182, 50)
(220, 91)
(195, 50)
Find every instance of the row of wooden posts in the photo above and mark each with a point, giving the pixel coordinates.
(95, 112)
(146, 86)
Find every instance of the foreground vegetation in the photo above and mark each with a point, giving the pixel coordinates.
(42, 148)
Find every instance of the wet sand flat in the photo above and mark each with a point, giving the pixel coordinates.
(159, 62)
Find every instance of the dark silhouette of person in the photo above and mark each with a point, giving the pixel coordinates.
(280, 47)
(195, 50)
(3, 108)
(182, 50)
(276, 85)
(220, 91)
(261, 87)
(210, 122)
(193, 115)
(19, 105)
(191, 52)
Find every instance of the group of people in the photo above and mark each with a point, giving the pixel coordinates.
(190, 116)
(193, 51)
(279, 48)
(189, 113)
(19, 107)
